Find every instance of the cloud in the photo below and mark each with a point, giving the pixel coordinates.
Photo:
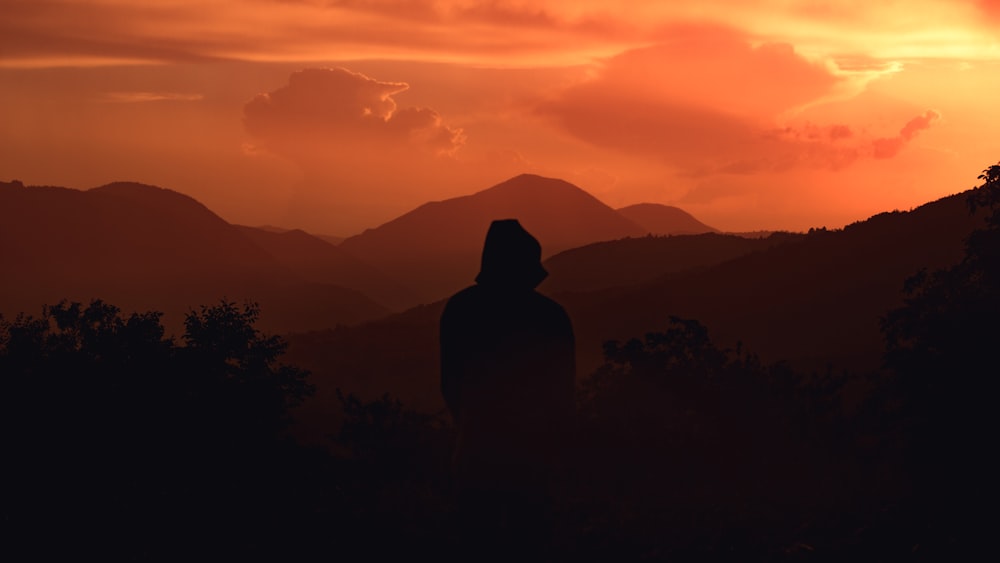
(718, 67)
(918, 124)
(48, 32)
(888, 147)
(495, 32)
(707, 101)
(139, 97)
(703, 101)
(335, 109)
(362, 156)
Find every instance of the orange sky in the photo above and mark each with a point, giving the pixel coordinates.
(337, 115)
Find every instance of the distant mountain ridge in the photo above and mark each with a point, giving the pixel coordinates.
(332, 239)
(660, 219)
(436, 247)
(318, 261)
(129, 242)
(141, 247)
(813, 299)
(627, 262)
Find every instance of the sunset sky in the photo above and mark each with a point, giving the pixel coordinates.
(334, 116)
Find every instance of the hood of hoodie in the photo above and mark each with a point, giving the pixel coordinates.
(512, 258)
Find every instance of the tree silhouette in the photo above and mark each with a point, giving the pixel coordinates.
(948, 322)
(237, 368)
(940, 347)
(940, 343)
(110, 425)
(691, 448)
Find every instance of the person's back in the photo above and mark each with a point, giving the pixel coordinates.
(507, 376)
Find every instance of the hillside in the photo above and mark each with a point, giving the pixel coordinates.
(814, 300)
(662, 220)
(632, 261)
(318, 261)
(141, 247)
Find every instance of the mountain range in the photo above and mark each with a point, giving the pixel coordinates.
(437, 246)
(144, 247)
(141, 248)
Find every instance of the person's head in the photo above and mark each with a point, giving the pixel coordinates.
(511, 257)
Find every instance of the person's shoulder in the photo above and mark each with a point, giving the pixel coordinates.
(548, 303)
(463, 298)
(471, 292)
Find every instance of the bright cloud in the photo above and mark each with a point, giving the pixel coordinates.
(339, 110)
(355, 146)
(139, 97)
(707, 101)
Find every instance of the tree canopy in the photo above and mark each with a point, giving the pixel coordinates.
(108, 424)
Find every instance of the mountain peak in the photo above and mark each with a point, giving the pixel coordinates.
(163, 199)
(438, 245)
(531, 193)
(535, 182)
(525, 177)
(138, 190)
(127, 185)
(528, 176)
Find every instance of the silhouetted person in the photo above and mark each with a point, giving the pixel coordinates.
(507, 376)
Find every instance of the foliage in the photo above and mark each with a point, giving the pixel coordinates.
(238, 365)
(948, 321)
(93, 356)
(680, 372)
(940, 348)
(109, 425)
(682, 440)
(940, 343)
(398, 476)
(383, 432)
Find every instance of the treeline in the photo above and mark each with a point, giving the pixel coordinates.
(120, 441)
(125, 444)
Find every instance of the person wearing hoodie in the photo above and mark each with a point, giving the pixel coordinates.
(507, 377)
